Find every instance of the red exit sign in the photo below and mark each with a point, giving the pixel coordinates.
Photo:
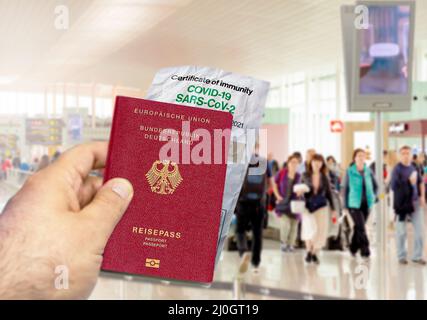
(337, 126)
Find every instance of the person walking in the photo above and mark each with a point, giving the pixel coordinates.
(315, 220)
(283, 190)
(360, 190)
(409, 203)
(334, 172)
(250, 209)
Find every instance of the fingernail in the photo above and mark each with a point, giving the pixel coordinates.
(123, 188)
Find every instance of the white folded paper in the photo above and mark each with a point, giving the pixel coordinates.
(242, 96)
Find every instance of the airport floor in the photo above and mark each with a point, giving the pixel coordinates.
(286, 276)
(282, 276)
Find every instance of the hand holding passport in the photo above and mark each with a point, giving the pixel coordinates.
(170, 154)
(59, 223)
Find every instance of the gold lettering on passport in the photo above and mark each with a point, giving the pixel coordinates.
(156, 232)
(168, 115)
(164, 179)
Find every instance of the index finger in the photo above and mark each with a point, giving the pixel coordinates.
(84, 158)
(65, 176)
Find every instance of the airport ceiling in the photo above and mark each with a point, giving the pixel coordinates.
(124, 42)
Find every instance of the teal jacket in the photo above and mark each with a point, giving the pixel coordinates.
(354, 186)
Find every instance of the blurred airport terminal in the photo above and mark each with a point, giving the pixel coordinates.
(64, 62)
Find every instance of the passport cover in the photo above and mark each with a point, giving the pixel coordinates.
(170, 229)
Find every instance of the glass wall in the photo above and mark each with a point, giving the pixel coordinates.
(21, 103)
(313, 100)
(424, 67)
(51, 102)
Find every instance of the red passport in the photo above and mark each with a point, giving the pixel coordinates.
(170, 229)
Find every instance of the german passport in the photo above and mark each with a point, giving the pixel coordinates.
(176, 158)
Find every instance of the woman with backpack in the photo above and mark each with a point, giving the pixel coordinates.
(283, 190)
(315, 220)
(360, 190)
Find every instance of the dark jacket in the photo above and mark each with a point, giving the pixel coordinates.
(324, 190)
(403, 193)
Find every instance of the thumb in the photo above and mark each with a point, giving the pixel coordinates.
(108, 206)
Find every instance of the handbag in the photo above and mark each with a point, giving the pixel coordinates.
(297, 206)
(316, 202)
(291, 206)
(283, 206)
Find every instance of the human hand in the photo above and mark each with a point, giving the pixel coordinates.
(279, 198)
(334, 216)
(300, 194)
(413, 178)
(60, 217)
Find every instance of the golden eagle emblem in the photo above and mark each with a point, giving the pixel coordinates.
(164, 177)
